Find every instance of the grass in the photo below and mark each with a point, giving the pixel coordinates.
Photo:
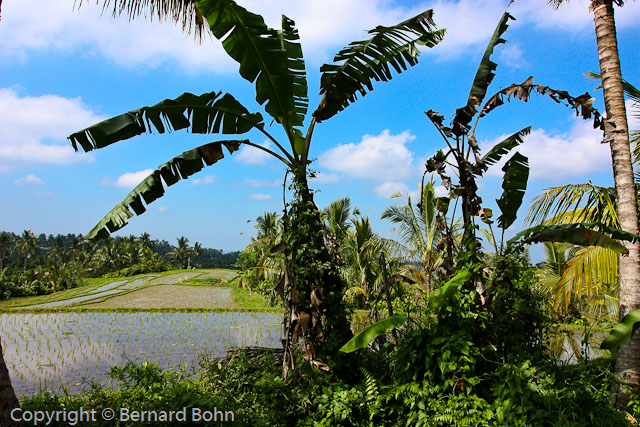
(241, 299)
(248, 300)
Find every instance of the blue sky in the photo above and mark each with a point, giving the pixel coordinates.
(63, 69)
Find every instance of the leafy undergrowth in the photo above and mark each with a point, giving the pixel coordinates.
(461, 362)
(248, 383)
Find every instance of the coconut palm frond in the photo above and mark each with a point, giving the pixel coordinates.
(182, 12)
(574, 203)
(590, 272)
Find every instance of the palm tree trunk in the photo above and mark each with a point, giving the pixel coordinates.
(617, 135)
(8, 400)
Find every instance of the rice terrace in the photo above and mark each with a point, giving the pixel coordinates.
(228, 211)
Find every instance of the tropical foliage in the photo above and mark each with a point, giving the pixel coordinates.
(273, 61)
(423, 231)
(590, 276)
(470, 349)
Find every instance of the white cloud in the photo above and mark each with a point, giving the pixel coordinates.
(383, 157)
(440, 191)
(512, 56)
(388, 189)
(557, 157)
(205, 180)
(254, 183)
(34, 129)
(572, 16)
(29, 179)
(326, 178)
(253, 156)
(259, 196)
(469, 23)
(162, 209)
(126, 180)
(45, 26)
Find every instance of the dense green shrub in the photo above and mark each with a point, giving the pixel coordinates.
(155, 265)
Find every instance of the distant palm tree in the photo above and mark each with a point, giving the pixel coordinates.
(107, 255)
(337, 216)
(362, 248)
(264, 266)
(6, 240)
(181, 252)
(267, 225)
(420, 231)
(27, 245)
(145, 240)
(196, 251)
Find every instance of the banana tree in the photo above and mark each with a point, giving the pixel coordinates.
(272, 60)
(460, 137)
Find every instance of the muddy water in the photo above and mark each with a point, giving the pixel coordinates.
(69, 350)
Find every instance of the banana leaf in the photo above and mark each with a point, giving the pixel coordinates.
(206, 113)
(621, 333)
(153, 186)
(271, 59)
(363, 61)
(581, 234)
(514, 184)
(365, 337)
(448, 290)
(483, 78)
(500, 149)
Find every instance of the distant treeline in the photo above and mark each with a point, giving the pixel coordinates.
(33, 264)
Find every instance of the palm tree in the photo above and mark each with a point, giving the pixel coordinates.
(420, 228)
(181, 252)
(265, 265)
(27, 245)
(272, 59)
(268, 226)
(107, 256)
(362, 249)
(145, 240)
(617, 135)
(337, 216)
(184, 12)
(6, 240)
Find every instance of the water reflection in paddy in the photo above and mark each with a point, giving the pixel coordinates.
(59, 350)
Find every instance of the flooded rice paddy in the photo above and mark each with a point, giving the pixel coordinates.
(69, 350)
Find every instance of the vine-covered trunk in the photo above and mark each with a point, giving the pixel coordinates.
(468, 254)
(8, 400)
(312, 285)
(617, 135)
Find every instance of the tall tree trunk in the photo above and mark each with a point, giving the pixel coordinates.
(8, 400)
(617, 135)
